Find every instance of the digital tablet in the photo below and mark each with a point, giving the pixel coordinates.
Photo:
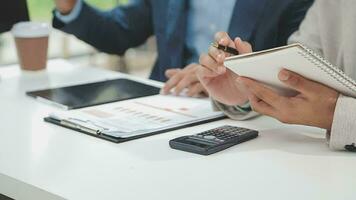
(80, 96)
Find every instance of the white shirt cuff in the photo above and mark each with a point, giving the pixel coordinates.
(343, 127)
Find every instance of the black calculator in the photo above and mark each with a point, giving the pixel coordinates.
(214, 140)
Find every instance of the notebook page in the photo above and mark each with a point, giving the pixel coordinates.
(264, 67)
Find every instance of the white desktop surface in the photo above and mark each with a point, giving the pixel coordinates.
(39, 160)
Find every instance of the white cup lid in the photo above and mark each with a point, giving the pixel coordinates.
(30, 30)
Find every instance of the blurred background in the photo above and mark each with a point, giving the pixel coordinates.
(138, 61)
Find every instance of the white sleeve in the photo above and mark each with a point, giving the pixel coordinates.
(308, 33)
(343, 131)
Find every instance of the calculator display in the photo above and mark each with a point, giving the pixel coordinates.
(199, 144)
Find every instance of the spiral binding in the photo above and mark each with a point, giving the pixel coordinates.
(328, 68)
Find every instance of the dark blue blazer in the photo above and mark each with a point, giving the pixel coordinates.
(264, 23)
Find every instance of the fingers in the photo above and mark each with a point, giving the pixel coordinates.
(196, 89)
(224, 39)
(185, 82)
(261, 107)
(210, 63)
(179, 79)
(171, 83)
(242, 46)
(261, 92)
(171, 72)
(204, 73)
(191, 66)
(214, 60)
(299, 83)
(216, 54)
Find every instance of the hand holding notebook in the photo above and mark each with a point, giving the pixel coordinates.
(264, 67)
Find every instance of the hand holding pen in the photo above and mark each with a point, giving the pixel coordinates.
(217, 80)
(226, 49)
(222, 48)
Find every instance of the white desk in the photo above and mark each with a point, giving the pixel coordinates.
(42, 161)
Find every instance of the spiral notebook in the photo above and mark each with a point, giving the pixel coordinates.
(264, 67)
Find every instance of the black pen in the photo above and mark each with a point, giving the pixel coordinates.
(225, 48)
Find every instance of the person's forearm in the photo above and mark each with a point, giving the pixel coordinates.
(95, 28)
(109, 31)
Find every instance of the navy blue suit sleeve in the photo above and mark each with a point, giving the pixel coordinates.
(292, 18)
(112, 31)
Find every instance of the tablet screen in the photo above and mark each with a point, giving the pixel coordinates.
(91, 94)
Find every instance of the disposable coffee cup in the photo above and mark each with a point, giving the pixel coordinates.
(31, 40)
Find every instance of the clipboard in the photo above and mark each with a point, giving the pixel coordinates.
(120, 140)
(137, 118)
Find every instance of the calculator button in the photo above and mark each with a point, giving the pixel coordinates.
(219, 140)
(209, 137)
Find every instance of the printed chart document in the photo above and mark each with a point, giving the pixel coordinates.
(139, 116)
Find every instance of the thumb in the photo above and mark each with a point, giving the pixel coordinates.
(224, 39)
(242, 46)
(299, 83)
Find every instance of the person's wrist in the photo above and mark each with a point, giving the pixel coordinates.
(243, 99)
(333, 104)
(65, 7)
(329, 116)
(245, 107)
